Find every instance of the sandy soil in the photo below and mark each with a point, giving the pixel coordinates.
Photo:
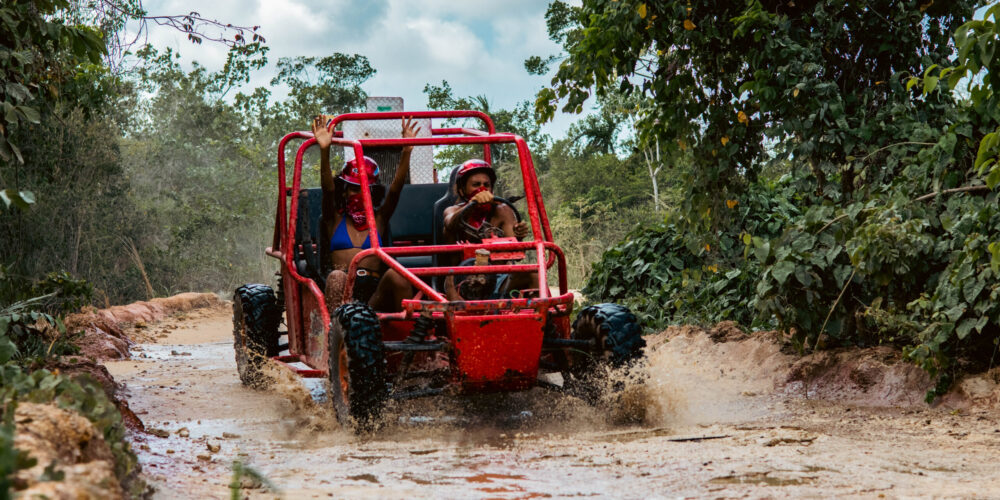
(725, 420)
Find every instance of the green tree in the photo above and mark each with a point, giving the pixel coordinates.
(743, 84)
(896, 239)
(38, 53)
(520, 120)
(330, 84)
(193, 148)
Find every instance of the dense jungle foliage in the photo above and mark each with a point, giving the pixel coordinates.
(824, 167)
(126, 173)
(842, 165)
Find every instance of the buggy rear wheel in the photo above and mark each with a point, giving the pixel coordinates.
(357, 375)
(256, 316)
(617, 345)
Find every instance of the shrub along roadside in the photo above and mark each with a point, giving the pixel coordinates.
(893, 168)
(922, 274)
(670, 275)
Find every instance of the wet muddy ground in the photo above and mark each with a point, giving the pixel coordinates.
(716, 428)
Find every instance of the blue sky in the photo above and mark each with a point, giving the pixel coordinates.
(478, 46)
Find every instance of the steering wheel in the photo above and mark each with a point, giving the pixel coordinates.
(477, 233)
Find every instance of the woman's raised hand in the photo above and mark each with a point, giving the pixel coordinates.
(410, 129)
(323, 135)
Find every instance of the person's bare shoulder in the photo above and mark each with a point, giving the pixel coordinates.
(506, 212)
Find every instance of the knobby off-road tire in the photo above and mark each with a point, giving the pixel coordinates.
(617, 345)
(256, 316)
(358, 380)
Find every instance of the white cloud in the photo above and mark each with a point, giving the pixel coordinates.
(478, 46)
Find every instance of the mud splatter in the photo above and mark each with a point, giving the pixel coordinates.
(721, 419)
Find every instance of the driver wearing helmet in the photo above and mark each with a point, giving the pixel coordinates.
(474, 184)
(345, 228)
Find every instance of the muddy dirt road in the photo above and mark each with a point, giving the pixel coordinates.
(717, 427)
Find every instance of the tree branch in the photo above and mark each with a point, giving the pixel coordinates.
(834, 306)
(912, 143)
(112, 16)
(965, 189)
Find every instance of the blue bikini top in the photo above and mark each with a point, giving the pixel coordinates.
(341, 240)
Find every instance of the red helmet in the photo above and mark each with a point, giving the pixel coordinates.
(351, 174)
(474, 166)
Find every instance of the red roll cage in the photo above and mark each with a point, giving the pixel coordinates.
(285, 220)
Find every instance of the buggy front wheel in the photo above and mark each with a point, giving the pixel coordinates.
(256, 316)
(616, 348)
(357, 375)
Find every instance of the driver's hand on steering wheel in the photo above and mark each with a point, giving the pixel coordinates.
(520, 230)
(482, 197)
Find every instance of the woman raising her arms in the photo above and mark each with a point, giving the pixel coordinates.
(345, 229)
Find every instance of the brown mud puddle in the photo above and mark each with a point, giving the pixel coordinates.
(724, 420)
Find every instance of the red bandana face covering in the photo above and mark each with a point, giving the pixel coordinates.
(355, 209)
(479, 213)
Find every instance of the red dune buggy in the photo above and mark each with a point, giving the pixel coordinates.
(434, 345)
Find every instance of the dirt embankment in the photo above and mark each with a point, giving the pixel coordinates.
(763, 362)
(102, 331)
(70, 451)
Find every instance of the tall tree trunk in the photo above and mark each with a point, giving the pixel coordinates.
(652, 158)
(74, 256)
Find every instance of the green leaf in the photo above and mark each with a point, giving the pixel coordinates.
(955, 312)
(30, 114)
(782, 270)
(993, 178)
(9, 146)
(840, 273)
(987, 46)
(986, 148)
(972, 288)
(947, 222)
(982, 323)
(49, 382)
(20, 199)
(803, 243)
(930, 83)
(831, 254)
(17, 91)
(763, 250)
(7, 350)
(965, 327)
(853, 210)
(802, 275)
